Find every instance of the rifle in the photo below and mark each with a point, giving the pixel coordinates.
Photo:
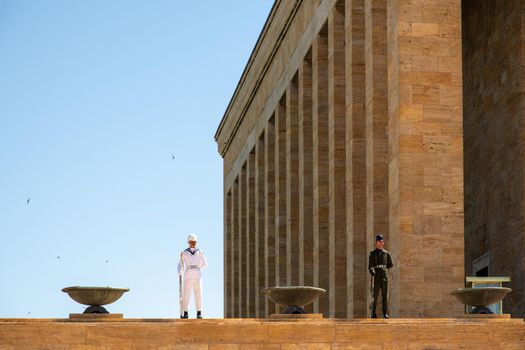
(180, 287)
(371, 294)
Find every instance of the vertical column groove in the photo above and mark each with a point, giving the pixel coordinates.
(292, 183)
(242, 239)
(305, 175)
(355, 154)
(320, 167)
(235, 250)
(280, 193)
(269, 158)
(260, 249)
(250, 243)
(337, 161)
(227, 253)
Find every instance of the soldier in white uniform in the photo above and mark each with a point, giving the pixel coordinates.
(192, 260)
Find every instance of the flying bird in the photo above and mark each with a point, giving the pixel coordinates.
(28, 199)
(58, 257)
(172, 156)
(107, 261)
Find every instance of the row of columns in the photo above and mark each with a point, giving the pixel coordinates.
(363, 136)
(314, 186)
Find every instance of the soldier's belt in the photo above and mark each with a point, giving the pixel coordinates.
(193, 267)
(380, 267)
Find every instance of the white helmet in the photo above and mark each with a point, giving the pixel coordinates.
(192, 237)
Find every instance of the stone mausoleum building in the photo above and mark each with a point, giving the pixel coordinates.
(356, 117)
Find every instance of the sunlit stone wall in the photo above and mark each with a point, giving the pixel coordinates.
(347, 122)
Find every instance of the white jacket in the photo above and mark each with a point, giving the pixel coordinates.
(191, 262)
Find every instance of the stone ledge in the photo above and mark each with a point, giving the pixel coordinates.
(481, 319)
(401, 333)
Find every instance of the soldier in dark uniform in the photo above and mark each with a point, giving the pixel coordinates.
(379, 262)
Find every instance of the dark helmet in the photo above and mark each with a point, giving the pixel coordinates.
(379, 237)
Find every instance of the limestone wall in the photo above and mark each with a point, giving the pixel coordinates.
(236, 334)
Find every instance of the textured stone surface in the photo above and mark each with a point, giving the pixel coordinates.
(263, 334)
(385, 84)
(269, 235)
(337, 234)
(493, 123)
(355, 152)
(305, 174)
(425, 156)
(320, 168)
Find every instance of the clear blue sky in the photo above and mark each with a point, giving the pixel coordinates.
(95, 97)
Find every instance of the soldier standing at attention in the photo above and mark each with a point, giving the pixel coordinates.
(192, 260)
(379, 262)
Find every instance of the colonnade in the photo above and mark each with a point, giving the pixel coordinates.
(297, 210)
(328, 168)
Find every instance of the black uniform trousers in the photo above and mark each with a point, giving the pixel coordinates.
(380, 284)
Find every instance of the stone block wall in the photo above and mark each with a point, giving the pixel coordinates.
(425, 155)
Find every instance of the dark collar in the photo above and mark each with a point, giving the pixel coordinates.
(192, 253)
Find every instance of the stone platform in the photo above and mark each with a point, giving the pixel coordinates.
(229, 334)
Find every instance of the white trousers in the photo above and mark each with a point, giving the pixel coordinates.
(187, 285)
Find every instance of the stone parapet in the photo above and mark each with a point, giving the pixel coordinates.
(214, 334)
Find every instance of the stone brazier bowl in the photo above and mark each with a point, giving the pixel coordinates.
(480, 297)
(293, 297)
(95, 297)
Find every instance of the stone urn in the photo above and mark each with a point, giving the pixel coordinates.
(293, 298)
(480, 298)
(95, 297)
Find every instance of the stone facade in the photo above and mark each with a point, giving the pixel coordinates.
(349, 121)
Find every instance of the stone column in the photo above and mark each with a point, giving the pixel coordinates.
(235, 250)
(320, 166)
(269, 237)
(231, 248)
(260, 231)
(376, 126)
(280, 193)
(358, 282)
(305, 175)
(227, 252)
(426, 157)
(337, 161)
(376, 120)
(250, 242)
(240, 244)
(292, 183)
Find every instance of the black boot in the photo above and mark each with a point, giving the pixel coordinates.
(199, 315)
(374, 315)
(185, 315)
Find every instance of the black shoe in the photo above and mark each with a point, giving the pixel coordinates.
(374, 315)
(386, 316)
(199, 315)
(185, 315)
